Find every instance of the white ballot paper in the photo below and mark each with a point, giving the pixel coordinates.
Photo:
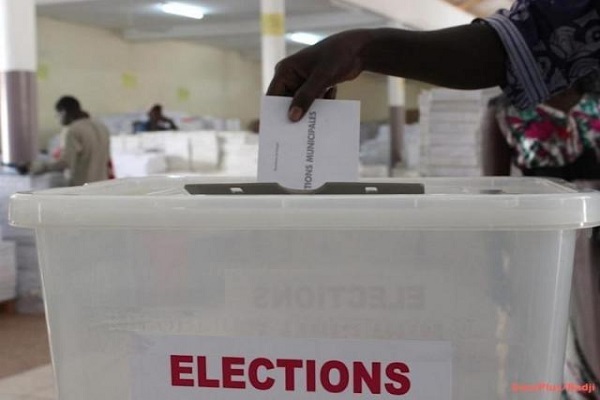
(323, 147)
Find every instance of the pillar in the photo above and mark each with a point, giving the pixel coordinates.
(273, 37)
(18, 93)
(397, 104)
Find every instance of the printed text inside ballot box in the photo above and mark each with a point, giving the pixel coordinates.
(186, 367)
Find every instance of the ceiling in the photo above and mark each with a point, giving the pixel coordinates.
(481, 8)
(228, 24)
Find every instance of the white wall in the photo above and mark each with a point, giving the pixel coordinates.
(111, 75)
(372, 89)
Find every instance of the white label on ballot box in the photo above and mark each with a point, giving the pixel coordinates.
(322, 147)
(212, 368)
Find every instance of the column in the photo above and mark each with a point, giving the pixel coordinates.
(273, 37)
(397, 102)
(18, 94)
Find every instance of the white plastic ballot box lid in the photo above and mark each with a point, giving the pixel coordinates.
(447, 204)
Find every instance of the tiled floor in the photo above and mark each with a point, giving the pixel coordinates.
(36, 384)
(23, 343)
(25, 373)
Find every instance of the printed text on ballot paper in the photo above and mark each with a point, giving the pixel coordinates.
(323, 147)
(310, 150)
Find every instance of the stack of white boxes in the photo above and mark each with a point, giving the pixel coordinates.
(450, 131)
(239, 153)
(205, 151)
(178, 152)
(154, 153)
(119, 124)
(223, 153)
(8, 272)
(21, 242)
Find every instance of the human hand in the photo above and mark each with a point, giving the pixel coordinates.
(313, 72)
(22, 169)
(38, 167)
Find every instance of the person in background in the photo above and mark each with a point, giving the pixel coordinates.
(558, 139)
(85, 155)
(533, 51)
(157, 121)
(254, 126)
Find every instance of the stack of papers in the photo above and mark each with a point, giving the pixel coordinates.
(19, 258)
(29, 283)
(204, 151)
(177, 152)
(450, 131)
(8, 271)
(239, 154)
(138, 164)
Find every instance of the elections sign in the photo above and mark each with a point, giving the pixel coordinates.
(193, 368)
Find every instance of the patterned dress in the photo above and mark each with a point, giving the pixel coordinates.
(550, 45)
(543, 137)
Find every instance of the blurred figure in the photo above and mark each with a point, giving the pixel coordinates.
(559, 138)
(157, 121)
(254, 126)
(85, 153)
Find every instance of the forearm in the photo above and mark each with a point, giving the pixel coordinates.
(464, 57)
(57, 166)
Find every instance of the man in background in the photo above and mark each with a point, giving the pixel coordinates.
(86, 150)
(157, 121)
